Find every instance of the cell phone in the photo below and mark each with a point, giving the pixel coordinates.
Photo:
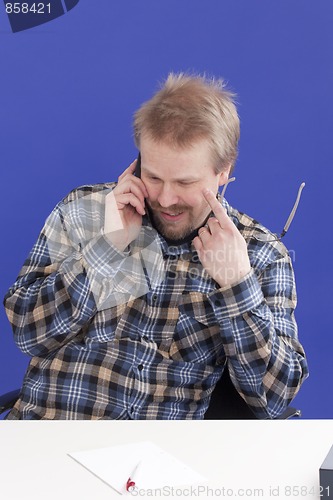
(137, 171)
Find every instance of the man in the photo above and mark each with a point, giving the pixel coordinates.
(138, 294)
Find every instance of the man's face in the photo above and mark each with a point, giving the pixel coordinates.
(174, 179)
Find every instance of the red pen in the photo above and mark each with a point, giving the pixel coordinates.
(131, 481)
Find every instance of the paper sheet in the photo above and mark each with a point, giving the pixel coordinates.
(158, 468)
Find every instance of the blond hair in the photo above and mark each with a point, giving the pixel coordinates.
(190, 108)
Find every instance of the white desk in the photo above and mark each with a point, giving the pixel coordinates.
(242, 459)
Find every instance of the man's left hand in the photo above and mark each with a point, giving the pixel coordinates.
(221, 248)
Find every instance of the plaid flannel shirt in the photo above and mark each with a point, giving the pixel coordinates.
(147, 333)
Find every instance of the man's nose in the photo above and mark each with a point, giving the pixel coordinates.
(167, 196)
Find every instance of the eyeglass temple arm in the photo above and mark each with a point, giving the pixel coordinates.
(232, 179)
(293, 211)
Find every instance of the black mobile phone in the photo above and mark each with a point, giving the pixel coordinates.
(137, 171)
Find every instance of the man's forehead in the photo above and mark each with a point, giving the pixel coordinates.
(154, 154)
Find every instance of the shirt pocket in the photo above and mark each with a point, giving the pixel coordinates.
(197, 337)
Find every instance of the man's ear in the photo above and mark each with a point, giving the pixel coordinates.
(224, 175)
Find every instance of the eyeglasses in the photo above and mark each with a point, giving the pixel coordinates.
(270, 237)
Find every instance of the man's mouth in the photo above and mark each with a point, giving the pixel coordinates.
(172, 216)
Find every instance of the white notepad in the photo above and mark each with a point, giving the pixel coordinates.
(158, 468)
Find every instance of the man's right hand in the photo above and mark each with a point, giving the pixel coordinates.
(124, 208)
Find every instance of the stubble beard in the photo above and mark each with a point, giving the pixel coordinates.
(171, 231)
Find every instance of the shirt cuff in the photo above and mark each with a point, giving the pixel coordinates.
(101, 257)
(237, 299)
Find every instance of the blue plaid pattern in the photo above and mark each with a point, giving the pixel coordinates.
(107, 344)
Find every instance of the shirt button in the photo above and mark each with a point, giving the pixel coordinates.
(140, 367)
(217, 302)
(154, 298)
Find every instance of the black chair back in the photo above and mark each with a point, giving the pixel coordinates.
(226, 403)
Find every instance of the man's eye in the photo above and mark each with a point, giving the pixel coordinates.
(186, 183)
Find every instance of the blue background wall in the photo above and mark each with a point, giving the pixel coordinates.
(68, 90)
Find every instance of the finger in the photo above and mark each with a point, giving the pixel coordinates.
(129, 170)
(197, 243)
(132, 185)
(204, 234)
(214, 225)
(129, 173)
(138, 182)
(217, 208)
(130, 199)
